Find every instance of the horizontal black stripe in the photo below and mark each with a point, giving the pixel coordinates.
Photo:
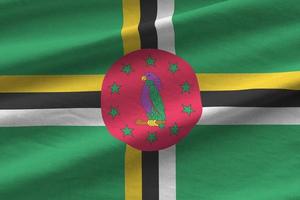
(49, 100)
(252, 98)
(244, 98)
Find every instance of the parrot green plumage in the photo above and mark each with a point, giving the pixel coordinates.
(152, 100)
(158, 109)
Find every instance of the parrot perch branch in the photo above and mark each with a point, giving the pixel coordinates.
(142, 122)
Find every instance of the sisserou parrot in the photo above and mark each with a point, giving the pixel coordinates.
(151, 100)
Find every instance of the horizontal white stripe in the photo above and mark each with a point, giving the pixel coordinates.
(52, 117)
(249, 115)
(93, 117)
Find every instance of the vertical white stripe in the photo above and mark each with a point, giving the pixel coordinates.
(167, 157)
(167, 174)
(164, 25)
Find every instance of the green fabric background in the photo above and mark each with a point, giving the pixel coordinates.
(60, 163)
(238, 35)
(59, 36)
(239, 162)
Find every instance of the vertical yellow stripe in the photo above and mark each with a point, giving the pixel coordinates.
(131, 42)
(131, 19)
(133, 174)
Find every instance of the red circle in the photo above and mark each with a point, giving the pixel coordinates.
(150, 99)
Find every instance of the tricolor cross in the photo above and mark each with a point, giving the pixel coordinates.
(74, 100)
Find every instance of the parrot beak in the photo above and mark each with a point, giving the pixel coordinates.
(144, 78)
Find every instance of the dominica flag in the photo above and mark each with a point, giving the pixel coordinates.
(149, 99)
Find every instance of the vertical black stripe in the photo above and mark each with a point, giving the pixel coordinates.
(148, 35)
(150, 182)
(147, 28)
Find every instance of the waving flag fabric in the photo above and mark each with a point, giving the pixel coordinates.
(54, 56)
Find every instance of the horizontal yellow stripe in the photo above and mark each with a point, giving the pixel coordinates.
(219, 82)
(59, 83)
(207, 82)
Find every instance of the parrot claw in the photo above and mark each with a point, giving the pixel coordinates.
(152, 123)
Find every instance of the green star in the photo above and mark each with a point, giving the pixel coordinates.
(115, 88)
(173, 68)
(150, 61)
(113, 112)
(127, 69)
(187, 109)
(185, 87)
(151, 137)
(174, 129)
(127, 131)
